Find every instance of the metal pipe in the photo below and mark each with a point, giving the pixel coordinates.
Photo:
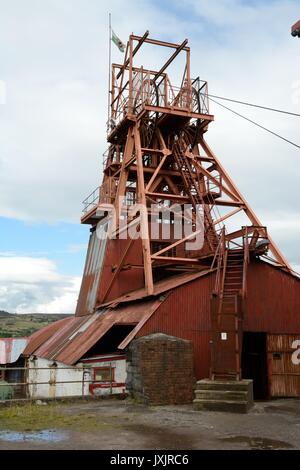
(16, 384)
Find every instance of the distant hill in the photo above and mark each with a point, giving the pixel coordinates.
(3, 313)
(15, 325)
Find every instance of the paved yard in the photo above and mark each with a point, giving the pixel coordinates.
(116, 424)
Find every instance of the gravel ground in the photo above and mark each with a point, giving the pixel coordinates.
(126, 425)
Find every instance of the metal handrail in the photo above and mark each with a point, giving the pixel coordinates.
(168, 94)
(91, 200)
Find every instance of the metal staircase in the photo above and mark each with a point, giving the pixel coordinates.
(191, 185)
(226, 311)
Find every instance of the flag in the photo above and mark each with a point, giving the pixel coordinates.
(117, 42)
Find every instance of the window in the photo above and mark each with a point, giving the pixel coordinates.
(104, 374)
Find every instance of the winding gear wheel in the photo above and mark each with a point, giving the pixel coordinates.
(147, 94)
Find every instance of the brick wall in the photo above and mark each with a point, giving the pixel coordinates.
(160, 370)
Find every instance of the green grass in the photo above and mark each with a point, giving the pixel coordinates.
(31, 417)
(15, 326)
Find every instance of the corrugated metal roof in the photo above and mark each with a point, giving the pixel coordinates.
(39, 337)
(71, 339)
(159, 287)
(11, 349)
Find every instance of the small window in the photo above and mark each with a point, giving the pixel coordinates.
(276, 356)
(103, 374)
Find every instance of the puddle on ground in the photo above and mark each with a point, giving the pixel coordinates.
(258, 443)
(44, 436)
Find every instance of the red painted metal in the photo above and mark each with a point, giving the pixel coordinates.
(272, 305)
(159, 287)
(128, 279)
(39, 337)
(295, 30)
(185, 313)
(70, 340)
(157, 154)
(273, 301)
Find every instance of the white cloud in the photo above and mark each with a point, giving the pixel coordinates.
(34, 285)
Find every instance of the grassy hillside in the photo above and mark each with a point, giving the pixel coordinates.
(13, 325)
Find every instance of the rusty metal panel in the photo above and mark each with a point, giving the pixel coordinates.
(284, 375)
(160, 287)
(185, 313)
(273, 300)
(92, 271)
(39, 337)
(71, 340)
(11, 349)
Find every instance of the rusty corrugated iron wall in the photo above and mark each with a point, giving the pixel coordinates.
(130, 277)
(185, 313)
(272, 305)
(273, 301)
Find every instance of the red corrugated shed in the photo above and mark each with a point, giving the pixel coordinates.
(183, 311)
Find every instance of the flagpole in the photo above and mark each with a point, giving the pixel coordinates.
(109, 67)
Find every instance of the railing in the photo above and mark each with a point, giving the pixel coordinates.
(30, 392)
(219, 258)
(201, 87)
(91, 201)
(144, 89)
(246, 262)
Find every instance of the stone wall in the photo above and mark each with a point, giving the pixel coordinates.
(160, 370)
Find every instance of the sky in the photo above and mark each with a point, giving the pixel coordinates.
(53, 110)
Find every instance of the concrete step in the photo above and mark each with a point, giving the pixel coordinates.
(238, 406)
(206, 384)
(227, 395)
(235, 396)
